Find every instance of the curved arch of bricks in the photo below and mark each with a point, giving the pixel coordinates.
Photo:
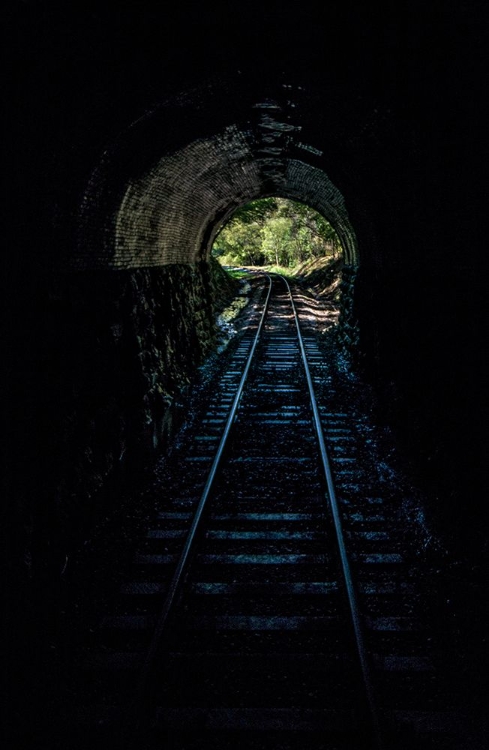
(169, 207)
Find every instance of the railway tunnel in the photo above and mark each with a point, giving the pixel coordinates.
(119, 195)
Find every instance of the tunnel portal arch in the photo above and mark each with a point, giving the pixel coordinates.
(160, 195)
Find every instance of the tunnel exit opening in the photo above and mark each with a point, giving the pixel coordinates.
(277, 232)
(290, 237)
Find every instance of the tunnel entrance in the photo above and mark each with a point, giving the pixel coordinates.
(276, 232)
(166, 185)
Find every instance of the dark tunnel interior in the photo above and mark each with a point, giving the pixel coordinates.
(133, 133)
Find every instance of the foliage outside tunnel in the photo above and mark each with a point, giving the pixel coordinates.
(275, 231)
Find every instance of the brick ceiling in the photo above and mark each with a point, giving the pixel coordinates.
(192, 179)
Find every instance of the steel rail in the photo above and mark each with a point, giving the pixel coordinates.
(340, 538)
(183, 561)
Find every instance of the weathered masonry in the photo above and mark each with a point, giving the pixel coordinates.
(133, 153)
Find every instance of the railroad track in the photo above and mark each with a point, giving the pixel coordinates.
(272, 603)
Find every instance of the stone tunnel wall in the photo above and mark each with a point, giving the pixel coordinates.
(121, 347)
(348, 327)
(419, 342)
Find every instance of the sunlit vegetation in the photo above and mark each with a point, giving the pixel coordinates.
(237, 273)
(277, 232)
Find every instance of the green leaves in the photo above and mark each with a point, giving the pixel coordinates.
(275, 231)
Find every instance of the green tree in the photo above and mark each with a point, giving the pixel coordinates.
(277, 243)
(240, 243)
(275, 231)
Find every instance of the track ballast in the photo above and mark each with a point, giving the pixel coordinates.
(255, 644)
